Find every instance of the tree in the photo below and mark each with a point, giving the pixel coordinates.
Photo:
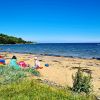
(5, 39)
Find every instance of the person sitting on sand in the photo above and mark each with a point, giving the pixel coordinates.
(13, 63)
(36, 63)
(2, 60)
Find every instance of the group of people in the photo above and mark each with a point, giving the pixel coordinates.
(18, 65)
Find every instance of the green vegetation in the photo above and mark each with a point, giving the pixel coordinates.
(34, 90)
(82, 82)
(9, 74)
(5, 39)
(15, 85)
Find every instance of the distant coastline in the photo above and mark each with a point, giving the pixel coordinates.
(20, 43)
(6, 39)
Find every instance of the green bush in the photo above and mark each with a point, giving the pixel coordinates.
(82, 82)
(8, 75)
(33, 71)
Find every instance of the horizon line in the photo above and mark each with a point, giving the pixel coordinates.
(67, 42)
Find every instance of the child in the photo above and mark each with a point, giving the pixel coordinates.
(36, 64)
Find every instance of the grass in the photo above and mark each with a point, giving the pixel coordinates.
(19, 87)
(34, 90)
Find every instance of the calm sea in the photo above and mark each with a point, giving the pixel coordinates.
(83, 50)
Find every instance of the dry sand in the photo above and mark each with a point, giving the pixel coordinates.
(61, 69)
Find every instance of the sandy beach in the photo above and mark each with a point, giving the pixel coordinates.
(61, 69)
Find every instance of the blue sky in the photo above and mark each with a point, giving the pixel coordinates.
(51, 20)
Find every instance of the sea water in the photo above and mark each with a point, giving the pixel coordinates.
(83, 50)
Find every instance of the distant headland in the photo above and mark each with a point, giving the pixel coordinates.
(5, 39)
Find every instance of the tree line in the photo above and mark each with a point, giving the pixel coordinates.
(5, 39)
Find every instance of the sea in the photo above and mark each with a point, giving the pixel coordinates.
(78, 50)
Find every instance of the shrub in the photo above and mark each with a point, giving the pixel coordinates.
(82, 82)
(8, 75)
(33, 71)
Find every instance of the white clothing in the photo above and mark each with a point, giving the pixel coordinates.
(37, 64)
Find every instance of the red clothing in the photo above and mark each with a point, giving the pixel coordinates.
(22, 64)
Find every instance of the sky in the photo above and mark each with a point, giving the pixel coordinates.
(51, 21)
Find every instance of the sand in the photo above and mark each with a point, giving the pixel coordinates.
(61, 69)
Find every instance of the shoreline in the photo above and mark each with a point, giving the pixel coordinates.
(53, 55)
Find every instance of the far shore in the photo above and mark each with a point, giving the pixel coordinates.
(19, 43)
(61, 68)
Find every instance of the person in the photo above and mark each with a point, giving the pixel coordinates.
(2, 60)
(13, 63)
(37, 63)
